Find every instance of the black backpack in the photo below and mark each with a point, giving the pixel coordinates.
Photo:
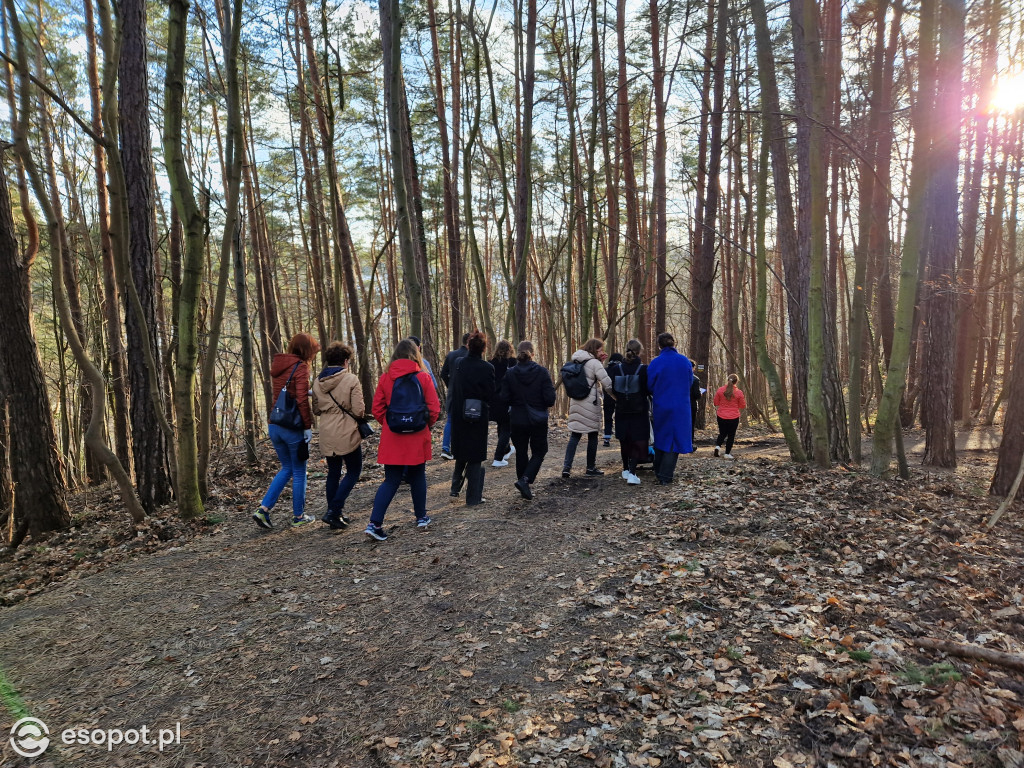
(574, 379)
(628, 397)
(407, 411)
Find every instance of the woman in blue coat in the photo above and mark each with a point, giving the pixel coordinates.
(669, 376)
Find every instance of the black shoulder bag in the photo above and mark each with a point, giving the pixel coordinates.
(472, 407)
(365, 430)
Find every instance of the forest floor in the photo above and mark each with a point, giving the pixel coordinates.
(754, 613)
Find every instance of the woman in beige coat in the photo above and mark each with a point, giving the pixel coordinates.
(585, 415)
(338, 401)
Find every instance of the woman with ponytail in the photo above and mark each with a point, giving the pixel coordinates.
(729, 401)
(632, 416)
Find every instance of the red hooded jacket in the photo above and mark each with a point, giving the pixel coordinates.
(298, 387)
(408, 450)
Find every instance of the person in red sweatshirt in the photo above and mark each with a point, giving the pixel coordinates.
(290, 371)
(406, 413)
(729, 401)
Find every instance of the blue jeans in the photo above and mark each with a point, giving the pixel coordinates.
(393, 474)
(446, 437)
(337, 493)
(286, 443)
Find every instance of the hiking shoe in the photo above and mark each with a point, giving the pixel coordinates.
(633, 479)
(262, 518)
(446, 455)
(302, 520)
(376, 532)
(499, 463)
(565, 474)
(511, 453)
(595, 472)
(421, 522)
(718, 450)
(523, 486)
(337, 521)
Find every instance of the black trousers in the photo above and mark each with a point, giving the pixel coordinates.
(570, 450)
(504, 436)
(472, 475)
(726, 433)
(531, 447)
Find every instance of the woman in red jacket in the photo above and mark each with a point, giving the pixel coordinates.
(729, 401)
(404, 450)
(291, 371)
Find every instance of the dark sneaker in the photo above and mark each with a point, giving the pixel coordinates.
(607, 442)
(336, 520)
(595, 472)
(565, 474)
(423, 522)
(524, 488)
(262, 518)
(376, 532)
(447, 455)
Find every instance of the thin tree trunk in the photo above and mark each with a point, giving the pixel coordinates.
(524, 184)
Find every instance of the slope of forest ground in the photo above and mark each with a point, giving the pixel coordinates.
(755, 613)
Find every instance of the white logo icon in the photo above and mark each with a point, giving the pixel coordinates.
(30, 737)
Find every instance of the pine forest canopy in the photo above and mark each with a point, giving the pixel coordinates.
(822, 198)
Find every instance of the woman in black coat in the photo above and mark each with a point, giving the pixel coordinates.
(632, 417)
(472, 388)
(528, 391)
(504, 358)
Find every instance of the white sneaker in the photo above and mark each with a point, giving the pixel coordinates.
(511, 452)
(632, 479)
(728, 455)
(718, 450)
(625, 474)
(501, 463)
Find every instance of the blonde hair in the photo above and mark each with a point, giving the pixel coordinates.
(730, 385)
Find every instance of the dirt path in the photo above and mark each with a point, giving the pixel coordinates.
(520, 632)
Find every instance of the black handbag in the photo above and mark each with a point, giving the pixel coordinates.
(365, 430)
(472, 410)
(285, 412)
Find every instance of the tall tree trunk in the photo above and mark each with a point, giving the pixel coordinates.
(35, 472)
(190, 502)
(1011, 449)
(811, 185)
(111, 302)
(704, 268)
(524, 184)
(795, 269)
(94, 434)
(940, 310)
(148, 440)
(391, 39)
(660, 233)
(796, 450)
(231, 23)
(887, 422)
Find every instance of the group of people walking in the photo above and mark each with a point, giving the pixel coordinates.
(648, 405)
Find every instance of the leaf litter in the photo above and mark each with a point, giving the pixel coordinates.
(756, 613)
